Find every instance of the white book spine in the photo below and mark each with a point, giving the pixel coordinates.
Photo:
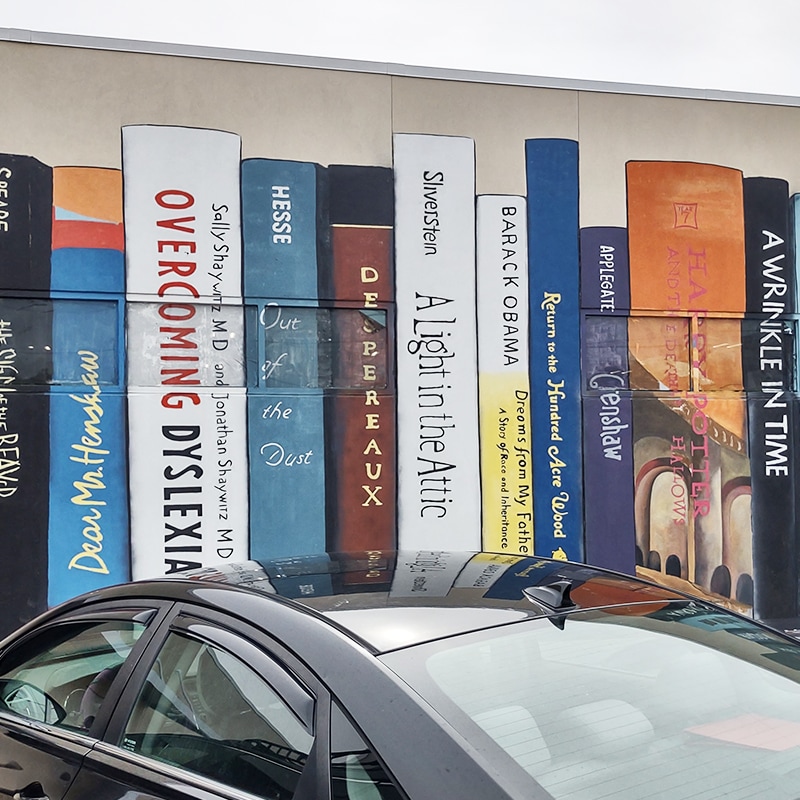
(185, 347)
(438, 470)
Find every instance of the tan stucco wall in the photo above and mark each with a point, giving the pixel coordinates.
(65, 105)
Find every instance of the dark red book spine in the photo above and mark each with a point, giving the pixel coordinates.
(361, 405)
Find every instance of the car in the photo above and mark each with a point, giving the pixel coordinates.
(398, 676)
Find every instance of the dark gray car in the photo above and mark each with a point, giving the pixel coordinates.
(382, 676)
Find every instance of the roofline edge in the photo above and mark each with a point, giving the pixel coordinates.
(383, 68)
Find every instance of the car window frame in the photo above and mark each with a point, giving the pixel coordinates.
(337, 709)
(106, 611)
(242, 640)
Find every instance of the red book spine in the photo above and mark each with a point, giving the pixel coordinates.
(362, 409)
(361, 404)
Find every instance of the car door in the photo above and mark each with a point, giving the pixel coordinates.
(54, 682)
(208, 714)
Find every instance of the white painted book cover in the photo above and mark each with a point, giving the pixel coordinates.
(185, 347)
(503, 370)
(439, 503)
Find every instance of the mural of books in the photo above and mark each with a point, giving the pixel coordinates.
(688, 481)
(286, 254)
(186, 382)
(551, 171)
(689, 402)
(63, 459)
(607, 443)
(361, 408)
(88, 531)
(186, 396)
(277, 359)
(318, 273)
(88, 491)
(438, 468)
(504, 375)
(88, 240)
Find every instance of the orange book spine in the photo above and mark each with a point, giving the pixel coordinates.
(686, 238)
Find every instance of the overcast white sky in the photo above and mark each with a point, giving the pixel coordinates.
(732, 45)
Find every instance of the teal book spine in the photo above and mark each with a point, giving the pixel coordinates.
(285, 234)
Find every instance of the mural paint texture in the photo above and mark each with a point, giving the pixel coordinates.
(279, 360)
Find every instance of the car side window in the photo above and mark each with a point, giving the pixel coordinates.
(61, 676)
(207, 711)
(356, 772)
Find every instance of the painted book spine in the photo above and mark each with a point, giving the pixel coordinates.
(605, 270)
(88, 497)
(361, 406)
(774, 465)
(772, 410)
(285, 226)
(25, 372)
(503, 373)
(185, 334)
(195, 516)
(766, 203)
(88, 245)
(26, 369)
(88, 535)
(794, 246)
(182, 214)
(686, 245)
(552, 186)
(607, 409)
(437, 393)
(608, 444)
(26, 191)
(685, 238)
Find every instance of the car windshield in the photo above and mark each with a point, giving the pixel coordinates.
(669, 701)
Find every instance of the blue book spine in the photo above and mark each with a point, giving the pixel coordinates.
(608, 444)
(552, 186)
(285, 229)
(88, 240)
(608, 479)
(88, 545)
(605, 270)
(287, 474)
(102, 270)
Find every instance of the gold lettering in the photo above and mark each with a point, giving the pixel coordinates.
(372, 447)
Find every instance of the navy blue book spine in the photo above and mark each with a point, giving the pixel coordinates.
(552, 187)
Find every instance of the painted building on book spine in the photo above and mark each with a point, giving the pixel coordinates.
(268, 312)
